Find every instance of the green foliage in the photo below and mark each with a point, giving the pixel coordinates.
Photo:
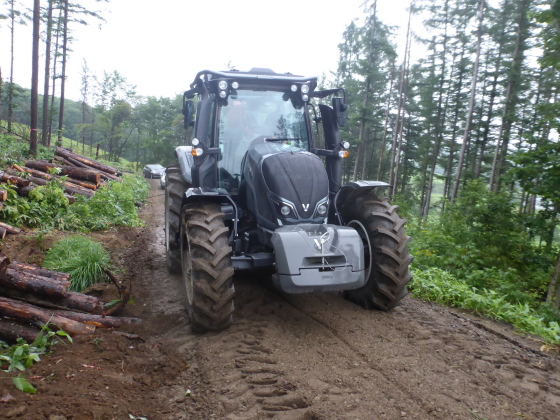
(481, 239)
(14, 151)
(47, 207)
(479, 256)
(437, 285)
(114, 205)
(84, 259)
(22, 355)
(551, 35)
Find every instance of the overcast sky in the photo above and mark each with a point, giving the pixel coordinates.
(160, 45)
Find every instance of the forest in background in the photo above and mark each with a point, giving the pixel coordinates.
(467, 135)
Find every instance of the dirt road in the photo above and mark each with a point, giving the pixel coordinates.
(286, 357)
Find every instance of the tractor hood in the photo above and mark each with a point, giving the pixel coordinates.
(285, 185)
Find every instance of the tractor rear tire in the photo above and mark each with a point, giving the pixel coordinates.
(207, 267)
(386, 252)
(175, 188)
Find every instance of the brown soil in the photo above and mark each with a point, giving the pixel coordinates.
(286, 357)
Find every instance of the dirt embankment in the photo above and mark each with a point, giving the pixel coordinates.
(286, 357)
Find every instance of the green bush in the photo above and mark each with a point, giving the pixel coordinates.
(114, 205)
(481, 239)
(85, 260)
(47, 207)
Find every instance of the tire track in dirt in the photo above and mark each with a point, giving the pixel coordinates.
(320, 357)
(468, 370)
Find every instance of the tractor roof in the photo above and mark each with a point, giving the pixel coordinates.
(255, 75)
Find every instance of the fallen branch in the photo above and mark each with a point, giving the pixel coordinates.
(124, 294)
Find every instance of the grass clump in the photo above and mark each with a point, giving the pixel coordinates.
(84, 259)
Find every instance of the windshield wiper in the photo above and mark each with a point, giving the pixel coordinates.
(279, 139)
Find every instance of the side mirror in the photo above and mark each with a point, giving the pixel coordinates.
(339, 108)
(188, 112)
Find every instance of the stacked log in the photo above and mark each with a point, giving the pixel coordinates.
(31, 297)
(106, 172)
(83, 175)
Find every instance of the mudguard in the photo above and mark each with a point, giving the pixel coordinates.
(348, 194)
(318, 258)
(186, 161)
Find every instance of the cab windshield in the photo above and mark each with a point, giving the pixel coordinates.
(251, 115)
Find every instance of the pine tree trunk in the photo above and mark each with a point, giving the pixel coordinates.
(493, 91)
(362, 132)
(512, 97)
(399, 121)
(45, 132)
(35, 79)
(471, 101)
(63, 76)
(11, 87)
(439, 123)
(386, 125)
(55, 62)
(554, 287)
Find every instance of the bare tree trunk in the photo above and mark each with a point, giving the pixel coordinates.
(440, 119)
(11, 88)
(400, 107)
(362, 132)
(35, 78)
(84, 91)
(511, 98)
(55, 61)
(554, 287)
(45, 132)
(384, 138)
(364, 161)
(63, 76)
(493, 92)
(471, 102)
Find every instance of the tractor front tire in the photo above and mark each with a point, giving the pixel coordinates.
(386, 252)
(207, 267)
(175, 188)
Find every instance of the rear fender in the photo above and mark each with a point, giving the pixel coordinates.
(348, 194)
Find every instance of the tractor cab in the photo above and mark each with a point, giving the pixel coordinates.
(236, 108)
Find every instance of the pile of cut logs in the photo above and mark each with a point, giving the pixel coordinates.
(83, 177)
(31, 297)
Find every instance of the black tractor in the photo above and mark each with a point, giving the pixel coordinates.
(258, 189)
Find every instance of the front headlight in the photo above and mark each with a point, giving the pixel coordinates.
(284, 210)
(322, 209)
